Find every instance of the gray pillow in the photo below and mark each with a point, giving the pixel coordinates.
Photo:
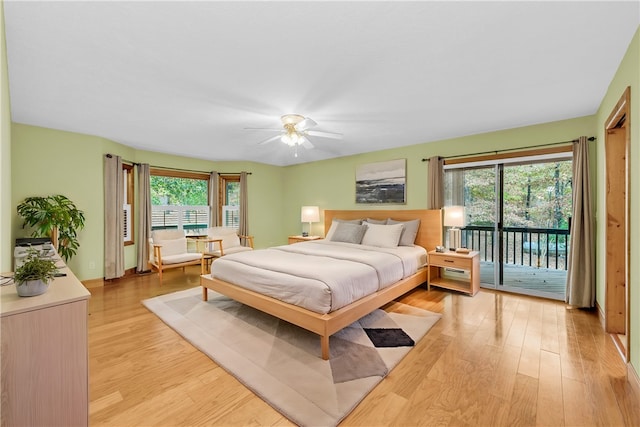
(376, 221)
(349, 221)
(335, 223)
(409, 233)
(349, 233)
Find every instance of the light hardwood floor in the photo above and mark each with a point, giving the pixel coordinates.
(495, 359)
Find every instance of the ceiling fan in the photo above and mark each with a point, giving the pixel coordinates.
(295, 131)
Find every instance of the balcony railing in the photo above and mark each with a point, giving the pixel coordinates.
(191, 219)
(533, 247)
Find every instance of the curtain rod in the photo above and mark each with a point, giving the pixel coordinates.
(177, 169)
(591, 138)
(123, 160)
(190, 170)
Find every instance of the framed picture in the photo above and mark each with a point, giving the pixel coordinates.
(382, 182)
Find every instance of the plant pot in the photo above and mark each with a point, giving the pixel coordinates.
(31, 288)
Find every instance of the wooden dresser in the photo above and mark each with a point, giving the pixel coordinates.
(45, 372)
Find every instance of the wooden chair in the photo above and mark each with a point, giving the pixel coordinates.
(169, 249)
(222, 241)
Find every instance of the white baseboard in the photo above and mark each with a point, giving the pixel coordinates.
(633, 378)
(600, 314)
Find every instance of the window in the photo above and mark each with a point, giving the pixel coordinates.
(518, 214)
(229, 198)
(179, 201)
(127, 171)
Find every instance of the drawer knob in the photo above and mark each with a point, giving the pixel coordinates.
(448, 260)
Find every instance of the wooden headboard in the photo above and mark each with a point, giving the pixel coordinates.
(430, 231)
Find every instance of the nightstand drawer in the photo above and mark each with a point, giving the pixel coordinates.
(449, 261)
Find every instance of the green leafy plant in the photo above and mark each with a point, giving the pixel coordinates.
(56, 217)
(35, 268)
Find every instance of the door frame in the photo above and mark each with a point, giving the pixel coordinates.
(619, 119)
(562, 151)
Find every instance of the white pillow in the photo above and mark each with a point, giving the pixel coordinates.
(230, 241)
(384, 236)
(172, 247)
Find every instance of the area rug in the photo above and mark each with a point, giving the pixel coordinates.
(281, 362)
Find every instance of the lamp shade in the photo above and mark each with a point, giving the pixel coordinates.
(310, 214)
(454, 216)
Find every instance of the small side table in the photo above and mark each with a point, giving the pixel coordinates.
(468, 262)
(298, 239)
(207, 260)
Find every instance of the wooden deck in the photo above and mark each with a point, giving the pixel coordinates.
(525, 278)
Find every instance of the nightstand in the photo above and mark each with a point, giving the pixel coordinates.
(457, 261)
(298, 239)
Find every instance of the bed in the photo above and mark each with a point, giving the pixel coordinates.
(322, 321)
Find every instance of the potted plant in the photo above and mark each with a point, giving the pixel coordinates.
(56, 217)
(33, 276)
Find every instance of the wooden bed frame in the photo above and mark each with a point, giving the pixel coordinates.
(429, 236)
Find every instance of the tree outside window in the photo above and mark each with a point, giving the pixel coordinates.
(179, 202)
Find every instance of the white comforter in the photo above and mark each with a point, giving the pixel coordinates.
(320, 275)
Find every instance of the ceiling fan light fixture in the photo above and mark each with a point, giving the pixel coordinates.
(296, 132)
(291, 138)
(291, 119)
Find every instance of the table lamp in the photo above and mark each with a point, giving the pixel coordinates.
(309, 214)
(454, 218)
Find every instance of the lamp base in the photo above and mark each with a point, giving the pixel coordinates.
(455, 238)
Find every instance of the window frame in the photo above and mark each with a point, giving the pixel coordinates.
(173, 173)
(127, 169)
(223, 180)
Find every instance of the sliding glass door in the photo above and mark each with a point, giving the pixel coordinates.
(535, 231)
(475, 189)
(517, 217)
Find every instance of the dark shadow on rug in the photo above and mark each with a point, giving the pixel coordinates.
(395, 337)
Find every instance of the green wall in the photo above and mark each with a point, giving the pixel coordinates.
(6, 248)
(48, 161)
(330, 184)
(628, 74)
(264, 187)
(72, 164)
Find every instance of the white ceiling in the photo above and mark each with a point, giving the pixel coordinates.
(187, 77)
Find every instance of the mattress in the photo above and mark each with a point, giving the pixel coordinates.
(320, 275)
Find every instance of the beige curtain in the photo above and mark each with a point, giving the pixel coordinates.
(113, 217)
(435, 185)
(244, 207)
(214, 181)
(581, 285)
(143, 231)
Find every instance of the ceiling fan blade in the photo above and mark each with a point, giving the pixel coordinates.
(325, 134)
(305, 124)
(270, 139)
(306, 143)
(271, 129)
